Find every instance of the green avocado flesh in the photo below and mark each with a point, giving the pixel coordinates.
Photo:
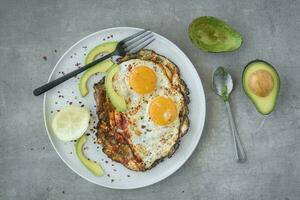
(101, 67)
(214, 35)
(95, 168)
(118, 101)
(261, 84)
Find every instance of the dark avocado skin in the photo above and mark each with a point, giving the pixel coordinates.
(247, 92)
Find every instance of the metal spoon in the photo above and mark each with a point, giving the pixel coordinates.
(223, 85)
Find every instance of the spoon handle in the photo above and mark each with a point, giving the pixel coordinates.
(240, 153)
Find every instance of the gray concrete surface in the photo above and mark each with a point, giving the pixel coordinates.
(30, 29)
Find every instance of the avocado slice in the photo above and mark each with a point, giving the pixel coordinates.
(118, 101)
(214, 35)
(261, 83)
(95, 168)
(103, 66)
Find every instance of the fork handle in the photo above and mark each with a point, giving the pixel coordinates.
(54, 83)
(239, 150)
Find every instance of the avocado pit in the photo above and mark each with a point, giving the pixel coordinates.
(261, 83)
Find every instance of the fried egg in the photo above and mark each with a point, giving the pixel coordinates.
(154, 104)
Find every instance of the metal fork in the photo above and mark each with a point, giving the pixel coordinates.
(131, 44)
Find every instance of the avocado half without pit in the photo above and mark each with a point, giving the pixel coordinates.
(261, 83)
(211, 34)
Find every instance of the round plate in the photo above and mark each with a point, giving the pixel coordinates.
(116, 175)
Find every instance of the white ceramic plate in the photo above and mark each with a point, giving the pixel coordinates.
(117, 176)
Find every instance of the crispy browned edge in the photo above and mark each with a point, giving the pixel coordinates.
(107, 135)
(184, 120)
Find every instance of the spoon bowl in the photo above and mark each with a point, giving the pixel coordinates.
(222, 82)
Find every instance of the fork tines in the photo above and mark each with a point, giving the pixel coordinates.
(138, 41)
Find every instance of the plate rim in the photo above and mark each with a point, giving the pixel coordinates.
(160, 178)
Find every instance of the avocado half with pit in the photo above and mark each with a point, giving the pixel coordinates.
(214, 35)
(261, 83)
(101, 67)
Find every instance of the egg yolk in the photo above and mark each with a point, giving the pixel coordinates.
(142, 80)
(163, 110)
